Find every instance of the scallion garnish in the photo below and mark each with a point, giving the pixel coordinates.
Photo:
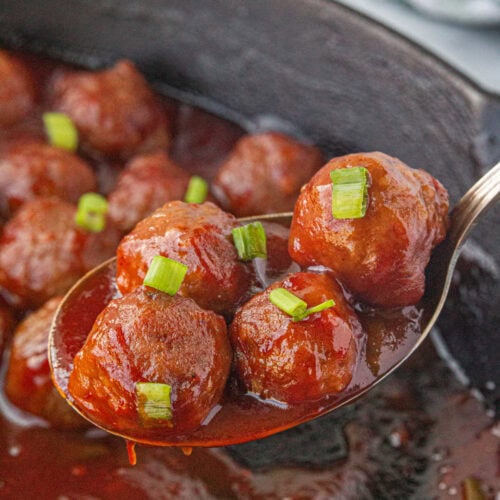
(153, 400)
(91, 212)
(315, 309)
(60, 130)
(287, 302)
(197, 190)
(294, 306)
(165, 274)
(350, 192)
(250, 241)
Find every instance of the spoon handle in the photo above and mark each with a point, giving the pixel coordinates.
(473, 204)
(283, 216)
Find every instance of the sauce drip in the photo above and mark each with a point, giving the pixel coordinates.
(132, 455)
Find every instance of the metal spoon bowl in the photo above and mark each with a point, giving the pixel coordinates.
(240, 417)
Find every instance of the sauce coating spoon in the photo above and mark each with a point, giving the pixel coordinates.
(239, 417)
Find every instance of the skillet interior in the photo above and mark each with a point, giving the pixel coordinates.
(308, 64)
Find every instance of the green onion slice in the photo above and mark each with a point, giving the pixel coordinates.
(153, 400)
(287, 302)
(165, 274)
(315, 309)
(197, 190)
(60, 131)
(250, 241)
(350, 192)
(294, 306)
(91, 212)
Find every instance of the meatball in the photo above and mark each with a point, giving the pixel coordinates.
(43, 252)
(264, 174)
(149, 336)
(199, 236)
(147, 183)
(380, 257)
(202, 140)
(32, 169)
(115, 111)
(293, 362)
(28, 382)
(17, 91)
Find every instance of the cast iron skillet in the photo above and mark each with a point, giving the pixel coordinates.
(348, 83)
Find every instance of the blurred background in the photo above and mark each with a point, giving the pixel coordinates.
(465, 33)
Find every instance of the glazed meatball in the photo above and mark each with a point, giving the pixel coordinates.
(149, 336)
(264, 174)
(380, 257)
(32, 169)
(28, 382)
(202, 141)
(43, 252)
(115, 111)
(17, 91)
(293, 362)
(199, 236)
(147, 183)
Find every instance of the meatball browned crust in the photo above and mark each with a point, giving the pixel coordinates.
(149, 336)
(31, 169)
(115, 111)
(43, 252)
(293, 362)
(380, 257)
(264, 174)
(17, 90)
(199, 236)
(28, 382)
(147, 182)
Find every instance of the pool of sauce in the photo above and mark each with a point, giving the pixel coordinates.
(418, 435)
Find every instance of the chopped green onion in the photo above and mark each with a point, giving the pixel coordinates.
(197, 190)
(93, 202)
(250, 241)
(350, 192)
(60, 131)
(287, 302)
(315, 309)
(295, 307)
(153, 400)
(91, 212)
(165, 274)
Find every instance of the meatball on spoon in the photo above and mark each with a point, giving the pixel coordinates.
(243, 417)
